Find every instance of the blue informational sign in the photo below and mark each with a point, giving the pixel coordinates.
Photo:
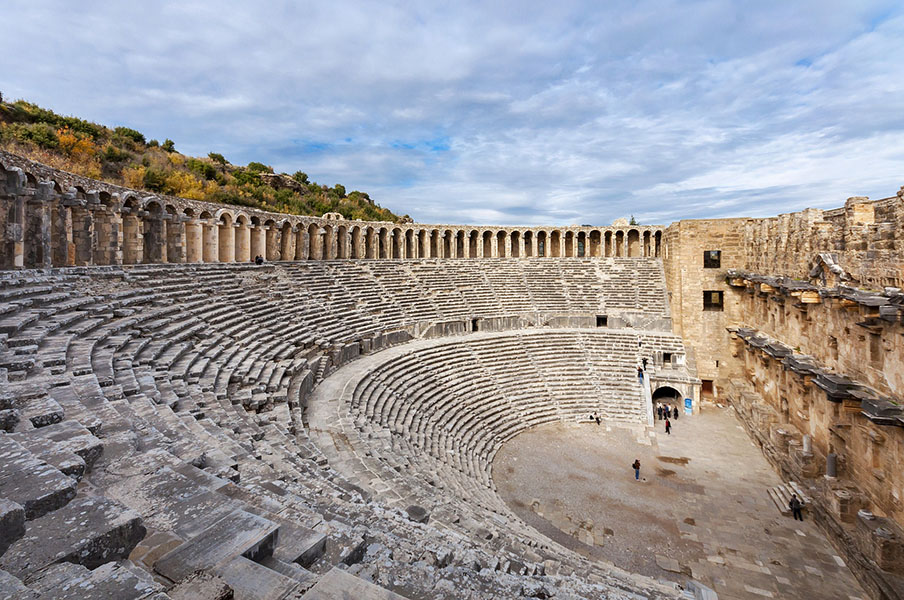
(688, 406)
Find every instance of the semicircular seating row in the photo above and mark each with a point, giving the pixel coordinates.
(450, 407)
(175, 394)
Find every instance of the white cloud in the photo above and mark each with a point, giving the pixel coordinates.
(514, 112)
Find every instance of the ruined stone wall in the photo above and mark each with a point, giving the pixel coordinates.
(684, 244)
(867, 237)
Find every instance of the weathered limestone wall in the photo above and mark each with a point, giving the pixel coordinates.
(684, 244)
(867, 237)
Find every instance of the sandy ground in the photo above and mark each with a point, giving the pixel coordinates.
(700, 509)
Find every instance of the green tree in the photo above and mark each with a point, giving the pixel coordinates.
(217, 158)
(633, 221)
(168, 145)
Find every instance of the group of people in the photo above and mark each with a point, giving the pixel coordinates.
(258, 260)
(666, 412)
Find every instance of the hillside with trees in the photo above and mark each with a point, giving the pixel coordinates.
(123, 156)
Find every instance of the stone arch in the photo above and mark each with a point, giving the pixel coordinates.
(446, 244)
(665, 392)
(226, 237)
(608, 245)
(645, 243)
(582, 248)
(370, 243)
(460, 244)
(410, 244)
(570, 245)
(487, 244)
(395, 246)
(132, 231)
(555, 244)
(515, 243)
(383, 240)
(619, 247)
(658, 243)
(501, 238)
(595, 243)
(542, 243)
(108, 230)
(329, 241)
(633, 242)
(528, 243)
(473, 244)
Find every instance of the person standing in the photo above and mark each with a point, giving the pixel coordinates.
(659, 410)
(668, 426)
(636, 467)
(795, 506)
(675, 412)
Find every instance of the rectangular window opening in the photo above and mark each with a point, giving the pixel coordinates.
(666, 358)
(602, 320)
(707, 387)
(712, 259)
(474, 324)
(712, 300)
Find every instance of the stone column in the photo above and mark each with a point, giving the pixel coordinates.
(211, 249)
(108, 238)
(301, 242)
(174, 226)
(194, 241)
(66, 235)
(38, 243)
(14, 234)
(226, 250)
(242, 243)
(272, 249)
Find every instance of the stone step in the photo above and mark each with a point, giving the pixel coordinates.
(89, 531)
(119, 580)
(337, 584)
(239, 533)
(30, 482)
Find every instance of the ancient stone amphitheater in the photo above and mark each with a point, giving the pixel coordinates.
(176, 421)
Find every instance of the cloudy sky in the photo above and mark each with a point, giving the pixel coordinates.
(497, 112)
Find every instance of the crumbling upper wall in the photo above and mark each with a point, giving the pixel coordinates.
(866, 236)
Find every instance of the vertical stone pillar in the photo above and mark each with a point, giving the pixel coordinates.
(521, 253)
(226, 241)
(65, 235)
(301, 242)
(194, 241)
(272, 250)
(211, 249)
(108, 234)
(242, 243)
(38, 241)
(14, 232)
(258, 246)
(175, 238)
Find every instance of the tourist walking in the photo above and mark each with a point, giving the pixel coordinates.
(668, 426)
(640, 374)
(675, 412)
(636, 467)
(659, 410)
(795, 506)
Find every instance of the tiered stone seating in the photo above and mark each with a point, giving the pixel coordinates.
(457, 402)
(157, 412)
